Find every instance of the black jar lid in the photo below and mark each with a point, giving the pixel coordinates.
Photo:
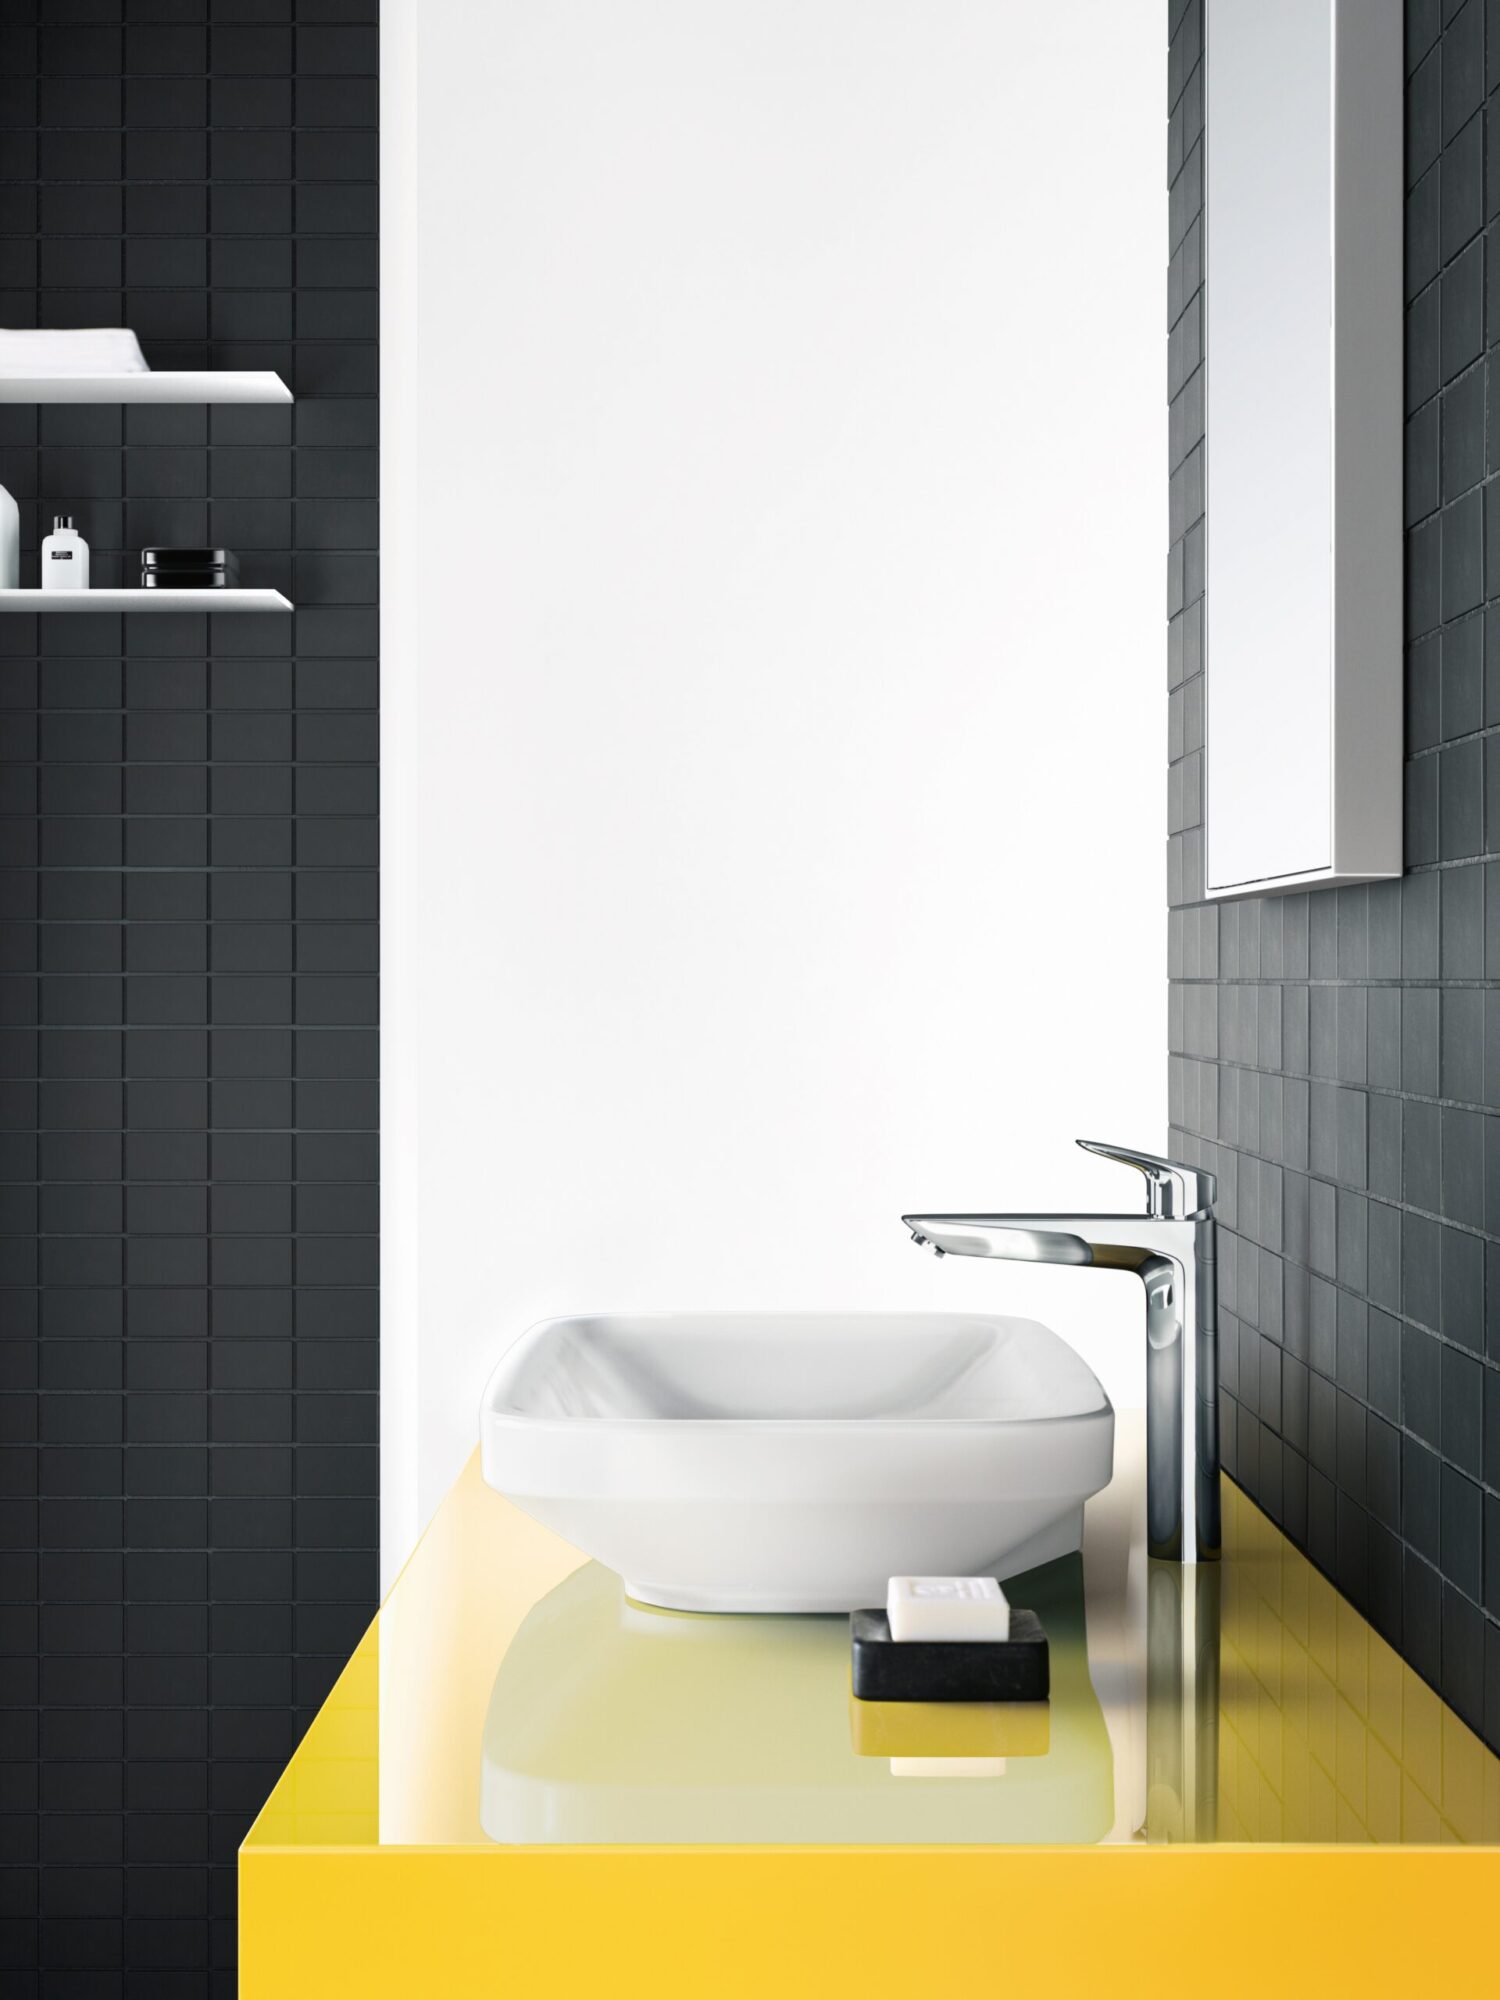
(186, 558)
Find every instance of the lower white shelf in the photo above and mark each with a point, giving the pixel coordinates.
(48, 601)
(150, 385)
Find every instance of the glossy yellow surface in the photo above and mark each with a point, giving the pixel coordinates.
(1205, 1728)
(1325, 1734)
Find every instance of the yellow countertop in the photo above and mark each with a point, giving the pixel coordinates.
(524, 1783)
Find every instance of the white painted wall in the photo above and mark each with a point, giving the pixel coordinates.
(774, 703)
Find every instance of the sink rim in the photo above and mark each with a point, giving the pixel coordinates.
(494, 1413)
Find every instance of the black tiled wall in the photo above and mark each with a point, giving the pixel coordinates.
(188, 1356)
(1336, 1056)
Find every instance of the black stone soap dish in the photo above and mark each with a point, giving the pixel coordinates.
(887, 1669)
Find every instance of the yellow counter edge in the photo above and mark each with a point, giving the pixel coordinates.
(872, 1921)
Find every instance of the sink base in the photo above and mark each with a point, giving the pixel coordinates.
(1062, 1537)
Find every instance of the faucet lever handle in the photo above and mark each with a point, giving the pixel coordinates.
(1172, 1189)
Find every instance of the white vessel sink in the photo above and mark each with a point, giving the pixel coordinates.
(795, 1461)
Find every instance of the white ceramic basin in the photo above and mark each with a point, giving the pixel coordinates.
(795, 1461)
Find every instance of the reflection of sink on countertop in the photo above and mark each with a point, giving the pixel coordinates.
(611, 1721)
(794, 1461)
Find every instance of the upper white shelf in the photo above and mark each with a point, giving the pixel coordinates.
(143, 600)
(156, 385)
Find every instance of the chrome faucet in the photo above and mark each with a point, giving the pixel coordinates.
(1171, 1250)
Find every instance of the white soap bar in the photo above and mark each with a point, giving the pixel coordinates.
(947, 1607)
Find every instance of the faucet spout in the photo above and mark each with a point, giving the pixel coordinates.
(1172, 1250)
(1006, 1236)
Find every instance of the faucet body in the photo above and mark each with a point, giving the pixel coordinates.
(1172, 1251)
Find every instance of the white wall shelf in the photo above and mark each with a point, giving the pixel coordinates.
(47, 601)
(157, 385)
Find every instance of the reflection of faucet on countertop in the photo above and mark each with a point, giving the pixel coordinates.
(1172, 1250)
(1182, 1703)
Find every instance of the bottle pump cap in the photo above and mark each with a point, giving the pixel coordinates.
(61, 521)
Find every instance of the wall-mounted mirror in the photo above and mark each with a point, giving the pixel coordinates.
(1303, 334)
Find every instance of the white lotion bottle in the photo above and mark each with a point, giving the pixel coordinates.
(65, 557)
(10, 541)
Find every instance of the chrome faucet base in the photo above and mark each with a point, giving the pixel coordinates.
(1172, 1249)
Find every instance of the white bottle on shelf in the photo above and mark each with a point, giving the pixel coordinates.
(65, 557)
(10, 541)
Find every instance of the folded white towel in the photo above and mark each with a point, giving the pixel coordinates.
(70, 350)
